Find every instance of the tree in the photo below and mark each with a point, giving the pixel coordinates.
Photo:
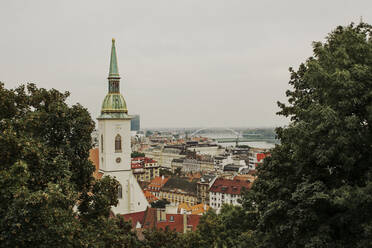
(45, 173)
(165, 172)
(148, 133)
(178, 171)
(162, 238)
(230, 228)
(160, 203)
(315, 190)
(136, 154)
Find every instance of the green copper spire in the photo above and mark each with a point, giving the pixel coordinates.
(114, 72)
(114, 105)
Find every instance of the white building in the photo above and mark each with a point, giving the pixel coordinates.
(256, 157)
(226, 191)
(114, 139)
(190, 165)
(220, 162)
(164, 157)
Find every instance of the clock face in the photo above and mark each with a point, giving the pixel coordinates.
(118, 160)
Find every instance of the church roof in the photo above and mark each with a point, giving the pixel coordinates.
(114, 71)
(114, 105)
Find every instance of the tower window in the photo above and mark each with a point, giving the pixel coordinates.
(101, 142)
(120, 192)
(118, 143)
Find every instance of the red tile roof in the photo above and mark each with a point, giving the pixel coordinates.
(144, 160)
(149, 221)
(176, 224)
(172, 221)
(157, 183)
(193, 221)
(135, 217)
(261, 156)
(94, 157)
(149, 196)
(252, 172)
(228, 186)
(136, 165)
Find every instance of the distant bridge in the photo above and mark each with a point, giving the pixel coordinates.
(230, 140)
(237, 134)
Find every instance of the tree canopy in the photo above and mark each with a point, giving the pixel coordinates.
(137, 154)
(48, 197)
(316, 189)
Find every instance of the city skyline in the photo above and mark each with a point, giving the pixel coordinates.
(186, 64)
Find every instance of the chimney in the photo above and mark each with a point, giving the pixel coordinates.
(161, 215)
(158, 215)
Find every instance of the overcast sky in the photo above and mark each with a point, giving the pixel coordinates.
(183, 63)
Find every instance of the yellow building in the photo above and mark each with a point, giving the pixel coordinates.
(145, 169)
(179, 190)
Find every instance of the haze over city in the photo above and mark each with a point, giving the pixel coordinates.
(183, 63)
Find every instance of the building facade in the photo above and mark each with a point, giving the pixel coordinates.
(135, 123)
(179, 190)
(226, 191)
(164, 157)
(149, 168)
(256, 157)
(205, 182)
(191, 165)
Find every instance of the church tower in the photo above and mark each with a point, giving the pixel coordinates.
(115, 144)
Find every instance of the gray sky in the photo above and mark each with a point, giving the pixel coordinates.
(185, 63)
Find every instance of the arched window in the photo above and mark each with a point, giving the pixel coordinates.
(101, 142)
(118, 143)
(120, 192)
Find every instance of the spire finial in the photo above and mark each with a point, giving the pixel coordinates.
(114, 71)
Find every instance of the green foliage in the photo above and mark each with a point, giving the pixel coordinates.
(148, 133)
(229, 228)
(315, 189)
(159, 203)
(45, 173)
(162, 239)
(136, 154)
(165, 172)
(178, 172)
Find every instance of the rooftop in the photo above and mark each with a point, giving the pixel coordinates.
(229, 186)
(180, 184)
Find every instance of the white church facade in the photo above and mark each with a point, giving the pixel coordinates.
(114, 140)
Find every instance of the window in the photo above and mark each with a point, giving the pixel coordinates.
(120, 192)
(118, 143)
(101, 142)
(171, 218)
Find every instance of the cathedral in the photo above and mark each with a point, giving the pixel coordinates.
(114, 139)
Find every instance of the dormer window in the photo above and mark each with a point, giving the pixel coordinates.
(118, 143)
